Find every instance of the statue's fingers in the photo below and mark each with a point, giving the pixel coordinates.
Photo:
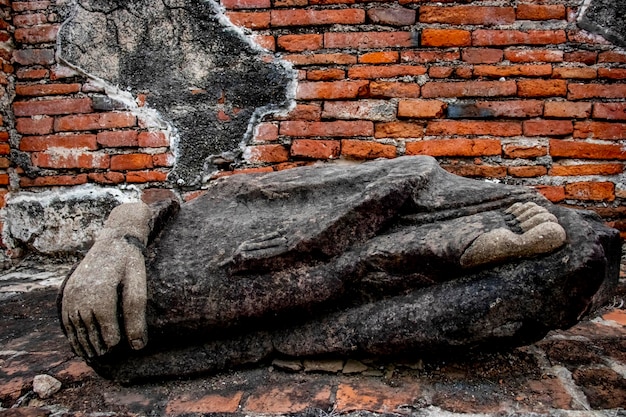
(70, 331)
(134, 299)
(81, 335)
(109, 329)
(95, 338)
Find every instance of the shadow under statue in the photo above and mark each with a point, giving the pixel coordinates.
(385, 257)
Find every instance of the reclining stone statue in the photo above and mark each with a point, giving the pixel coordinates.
(379, 258)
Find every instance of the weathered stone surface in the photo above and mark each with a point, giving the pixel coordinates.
(607, 18)
(201, 74)
(46, 386)
(349, 260)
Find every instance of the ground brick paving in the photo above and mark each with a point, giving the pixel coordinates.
(577, 372)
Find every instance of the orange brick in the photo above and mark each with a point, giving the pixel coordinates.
(265, 41)
(497, 71)
(299, 17)
(383, 57)
(4, 136)
(533, 55)
(331, 90)
(84, 160)
(600, 130)
(213, 403)
(485, 37)
(583, 91)
(5, 149)
(163, 160)
(52, 107)
(394, 89)
(553, 193)
(43, 143)
(583, 150)
(330, 74)
(120, 138)
(37, 90)
(578, 73)
(359, 149)
(586, 169)
(250, 20)
(34, 126)
(594, 191)
(547, 127)
(482, 55)
(145, 176)
(461, 128)
(380, 110)
(107, 178)
(267, 153)
(367, 40)
(612, 56)
(612, 73)
(321, 59)
(55, 180)
(152, 140)
(421, 108)
(299, 43)
(610, 111)
(527, 171)
(524, 151)
(32, 73)
(445, 38)
(424, 57)
(467, 15)
(246, 4)
(485, 171)
(287, 399)
(388, 71)
(337, 128)
(454, 147)
(469, 89)
(315, 149)
(440, 72)
(95, 121)
(133, 161)
(541, 88)
(567, 109)
(304, 112)
(399, 130)
(540, 12)
(584, 57)
(37, 34)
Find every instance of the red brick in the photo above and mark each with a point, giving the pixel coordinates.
(299, 43)
(145, 176)
(547, 127)
(387, 71)
(612, 73)
(212, 403)
(24, 6)
(152, 140)
(610, 111)
(380, 110)
(34, 56)
(120, 138)
(133, 161)
(32, 73)
(359, 149)
(445, 37)
(52, 107)
(331, 90)
(315, 149)
(583, 150)
(299, 17)
(512, 108)
(586, 169)
(265, 41)
(287, 399)
(246, 4)
(382, 57)
(469, 89)
(486, 171)
(375, 396)
(367, 40)
(553, 193)
(330, 74)
(399, 130)
(600, 130)
(582, 91)
(482, 55)
(163, 160)
(68, 160)
(567, 109)
(540, 12)
(43, 143)
(483, 37)
(424, 57)
(612, 56)
(440, 72)
(579, 73)
(61, 72)
(265, 132)
(321, 59)
(34, 126)
(37, 34)
(584, 57)
(250, 20)
(4, 136)
(594, 191)
(454, 147)
(524, 151)
(533, 55)
(394, 89)
(95, 121)
(55, 180)
(393, 16)
(107, 178)
(421, 108)
(497, 71)
(527, 171)
(584, 37)
(5, 149)
(467, 15)
(337, 128)
(541, 88)
(453, 127)
(267, 153)
(33, 19)
(5, 163)
(304, 112)
(37, 90)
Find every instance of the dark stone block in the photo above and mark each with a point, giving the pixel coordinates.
(606, 18)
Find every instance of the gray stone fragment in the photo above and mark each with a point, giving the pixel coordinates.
(289, 365)
(323, 365)
(354, 367)
(46, 386)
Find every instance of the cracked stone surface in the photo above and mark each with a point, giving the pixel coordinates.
(204, 77)
(606, 18)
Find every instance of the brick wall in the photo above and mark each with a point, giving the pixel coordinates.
(510, 91)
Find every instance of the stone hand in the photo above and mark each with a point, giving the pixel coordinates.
(105, 297)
